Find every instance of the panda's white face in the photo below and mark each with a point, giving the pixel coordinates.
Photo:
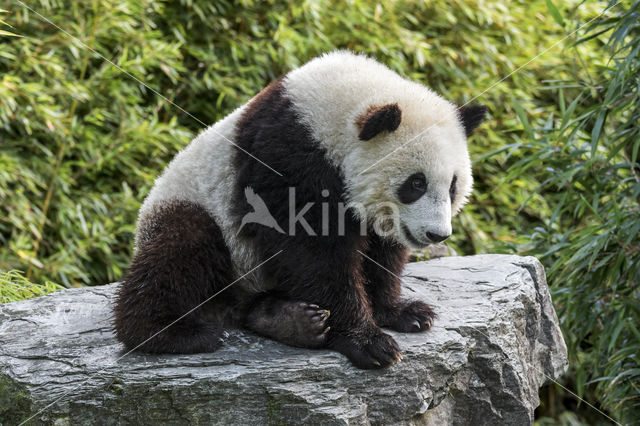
(419, 187)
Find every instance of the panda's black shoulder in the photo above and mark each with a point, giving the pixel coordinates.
(270, 129)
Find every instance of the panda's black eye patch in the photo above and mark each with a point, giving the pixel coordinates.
(452, 188)
(413, 188)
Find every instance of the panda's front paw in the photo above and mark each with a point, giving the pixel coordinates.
(413, 317)
(377, 351)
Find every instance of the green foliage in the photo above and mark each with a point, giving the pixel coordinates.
(82, 142)
(14, 286)
(586, 158)
(5, 33)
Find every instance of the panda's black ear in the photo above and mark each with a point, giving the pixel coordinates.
(472, 116)
(377, 120)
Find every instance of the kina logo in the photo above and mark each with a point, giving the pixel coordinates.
(260, 214)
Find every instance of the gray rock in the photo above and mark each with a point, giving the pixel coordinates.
(433, 251)
(496, 341)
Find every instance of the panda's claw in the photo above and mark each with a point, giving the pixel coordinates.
(416, 325)
(319, 318)
(312, 311)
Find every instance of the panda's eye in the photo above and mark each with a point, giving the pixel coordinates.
(418, 184)
(413, 188)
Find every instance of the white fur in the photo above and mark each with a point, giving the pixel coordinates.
(332, 91)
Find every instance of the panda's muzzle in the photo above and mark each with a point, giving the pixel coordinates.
(413, 240)
(431, 237)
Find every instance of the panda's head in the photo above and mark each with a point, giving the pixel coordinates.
(402, 148)
(422, 174)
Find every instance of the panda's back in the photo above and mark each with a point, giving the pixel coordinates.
(203, 173)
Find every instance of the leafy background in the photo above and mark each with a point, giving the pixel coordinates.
(556, 166)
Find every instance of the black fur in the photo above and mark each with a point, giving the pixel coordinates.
(181, 261)
(413, 188)
(377, 120)
(472, 116)
(453, 188)
(383, 269)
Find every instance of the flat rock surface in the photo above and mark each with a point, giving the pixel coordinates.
(495, 342)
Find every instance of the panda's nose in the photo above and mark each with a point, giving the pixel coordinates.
(436, 238)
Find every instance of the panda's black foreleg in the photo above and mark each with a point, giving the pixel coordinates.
(295, 323)
(382, 270)
(330, 276)
(181, 261)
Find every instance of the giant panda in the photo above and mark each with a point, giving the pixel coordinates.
(343, 165)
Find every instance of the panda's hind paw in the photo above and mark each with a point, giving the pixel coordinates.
(312, 324)
(295, 323)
